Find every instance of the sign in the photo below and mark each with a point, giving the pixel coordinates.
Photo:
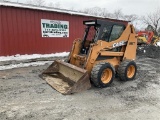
(121, 43)
(54, 28)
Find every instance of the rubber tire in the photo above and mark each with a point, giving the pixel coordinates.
(122, 70)
(98, 70)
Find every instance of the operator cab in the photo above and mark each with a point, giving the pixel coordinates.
(101, 30)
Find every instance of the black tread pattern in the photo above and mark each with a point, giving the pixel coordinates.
(122, 70)
(95, 71)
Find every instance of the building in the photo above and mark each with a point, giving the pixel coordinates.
(26, 29)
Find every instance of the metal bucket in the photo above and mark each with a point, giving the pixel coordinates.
(66, 78)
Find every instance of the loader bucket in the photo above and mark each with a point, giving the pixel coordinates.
(66, 78)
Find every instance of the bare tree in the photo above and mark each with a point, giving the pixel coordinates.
(104, 12)
(130, 18)
(92, 11)
(29, 2)
(39, 2)
(118, 14)
(153, 20)
(57, 5)
(50, 4)
(53, 5)
(36, 2)
(97, 11)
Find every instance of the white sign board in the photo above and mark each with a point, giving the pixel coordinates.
(54, 28)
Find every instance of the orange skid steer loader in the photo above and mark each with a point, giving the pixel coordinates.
(107, 48)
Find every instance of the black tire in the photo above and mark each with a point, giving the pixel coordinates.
(100, 72)
(127, 70)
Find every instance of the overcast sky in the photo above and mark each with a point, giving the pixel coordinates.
(139, 7)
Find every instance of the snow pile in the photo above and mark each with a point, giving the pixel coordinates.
(28, 57)
(6, 67)
(34, 56)
(158, 43)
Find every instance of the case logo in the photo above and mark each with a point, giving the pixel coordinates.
(121, 43)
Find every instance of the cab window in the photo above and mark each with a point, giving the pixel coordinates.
(117, 31)
(106, 33)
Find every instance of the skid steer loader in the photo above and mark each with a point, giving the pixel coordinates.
(107, 48)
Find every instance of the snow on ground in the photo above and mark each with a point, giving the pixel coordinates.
(33, 56)
(38, 63)
(158, 43)
(27, 57)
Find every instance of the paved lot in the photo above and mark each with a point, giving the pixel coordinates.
(23, 95)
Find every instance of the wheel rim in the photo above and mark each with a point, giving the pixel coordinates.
(106, 75)
(130, 71)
